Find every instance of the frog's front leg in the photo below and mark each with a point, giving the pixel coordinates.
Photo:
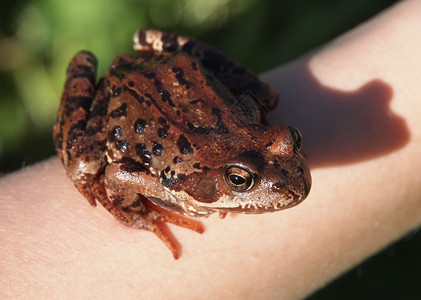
(125, 186)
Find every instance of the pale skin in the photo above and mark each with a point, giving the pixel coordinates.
(356, 102)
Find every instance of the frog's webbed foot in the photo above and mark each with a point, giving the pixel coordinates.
(124, 200)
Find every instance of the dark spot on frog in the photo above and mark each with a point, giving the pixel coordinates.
(284, 172)
(120, 112)
(116, 91)
(157, 149)
(216, 112)
(150, 75)
(197, 166)
(199, 129)
(84, 71)
(138, 97)
(194, 65)
(165, 95)
(92, 130)
(179, 75)
(75, 131)
(122, 61)
(184, 145)
(116, 132)
(172, 173)
(69, 155)
(162, 133)
(177, 160)
(167, 169)
(269, 144)
(88, 149)
(143, 152)
(167, 98)
(140, 125)
(100, 108)
(131, 84)
(121, 145)
(79, 125)
(193, 102)
(117, 72)
(220, 126)
(167, 182)
(90, 59)
(73, 139)
(300, 170)
(150, 98)
(78, 102)
(162, 121)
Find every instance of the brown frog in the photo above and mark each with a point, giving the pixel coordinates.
(178, 130)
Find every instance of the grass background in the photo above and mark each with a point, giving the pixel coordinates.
(38, 38)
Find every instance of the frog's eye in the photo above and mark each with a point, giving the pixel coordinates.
(296, 137)
(238, 178)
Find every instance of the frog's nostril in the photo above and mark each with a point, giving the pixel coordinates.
(278, 187)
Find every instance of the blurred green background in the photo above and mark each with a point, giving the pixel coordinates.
(38, 38)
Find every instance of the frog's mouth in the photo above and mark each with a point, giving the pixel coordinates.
(259, 204)
(256, 201)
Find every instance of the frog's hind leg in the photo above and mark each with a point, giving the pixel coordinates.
(76, 100)
(123, 197)
(77, 132)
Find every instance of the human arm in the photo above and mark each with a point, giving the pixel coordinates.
(355, 101)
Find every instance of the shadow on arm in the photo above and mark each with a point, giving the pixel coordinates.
(339, 127)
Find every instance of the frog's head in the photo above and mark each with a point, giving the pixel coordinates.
(270, 175)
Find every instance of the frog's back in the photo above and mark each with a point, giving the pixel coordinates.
(165, 111)
(252, 98)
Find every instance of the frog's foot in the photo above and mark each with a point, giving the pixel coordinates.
(136, 211)
(148, 40)
(155, 221)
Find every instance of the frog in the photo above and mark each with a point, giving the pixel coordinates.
(175, 132)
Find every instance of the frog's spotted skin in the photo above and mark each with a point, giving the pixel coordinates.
(178, 128)
(252, 99)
